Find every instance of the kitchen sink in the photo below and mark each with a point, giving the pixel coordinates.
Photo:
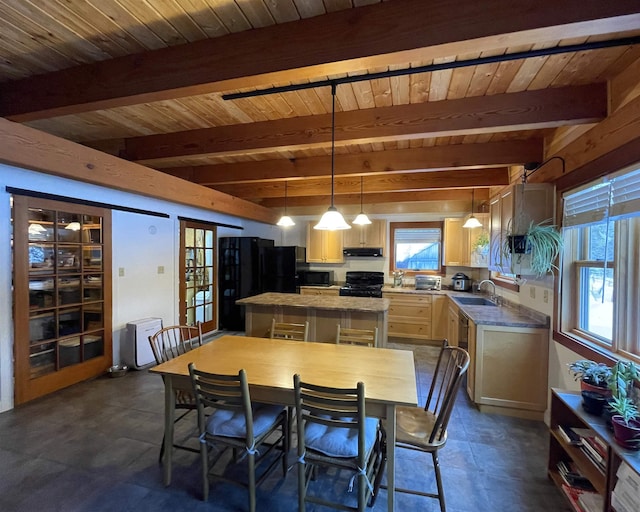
(474, 301)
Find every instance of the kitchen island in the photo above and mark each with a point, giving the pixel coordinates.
(323, 313)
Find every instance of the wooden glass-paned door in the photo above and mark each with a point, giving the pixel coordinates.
(198, 262)
(61, 296)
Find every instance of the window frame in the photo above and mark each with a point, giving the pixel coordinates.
(415, 225)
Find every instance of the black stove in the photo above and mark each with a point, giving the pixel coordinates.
(363, 284)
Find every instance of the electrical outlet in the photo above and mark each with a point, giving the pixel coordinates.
(160, 269)
(545, 296)
(532, 292)
(121, 272)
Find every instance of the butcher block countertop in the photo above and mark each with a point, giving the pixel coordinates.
(368, 304)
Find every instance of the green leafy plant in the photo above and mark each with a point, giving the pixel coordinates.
(622, 379)
(596, 374)
(625, 408)
(542, 243)
(481, 242)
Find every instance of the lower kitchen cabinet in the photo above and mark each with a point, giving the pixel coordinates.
(417, 316)
(508, 369)
(452, 320)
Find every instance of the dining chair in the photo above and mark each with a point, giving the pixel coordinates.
(334, 432)
(425, 429)
(227, 419)
(166, 344)
(289, 331)
(363, 337)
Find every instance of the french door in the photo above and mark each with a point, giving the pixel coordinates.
(62, 294)
(198, 273)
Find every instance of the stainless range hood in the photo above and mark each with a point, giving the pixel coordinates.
(375, 252)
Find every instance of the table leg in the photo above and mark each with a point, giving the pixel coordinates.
(169, 411)
(391, 456)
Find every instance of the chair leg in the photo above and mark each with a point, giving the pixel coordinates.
(251, 461)
(380, 470)
(286, 443)
(436, 467)
(302, 469)
(161, 451)
(204, 460)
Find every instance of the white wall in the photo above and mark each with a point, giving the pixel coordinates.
(141, 244)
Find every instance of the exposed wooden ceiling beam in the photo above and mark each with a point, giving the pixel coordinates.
(458, 156)
(482, 114)
(28, 148)
(440, 195)
(388, 33)
(379, 183)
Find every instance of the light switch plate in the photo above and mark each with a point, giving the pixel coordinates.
(121, 272)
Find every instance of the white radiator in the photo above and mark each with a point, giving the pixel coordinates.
(137, 351)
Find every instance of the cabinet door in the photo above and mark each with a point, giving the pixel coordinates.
(439, 317)
(452, 334)
(375, 234)
(471, 372)
(455, 243)
(324, 246)
(355, 236)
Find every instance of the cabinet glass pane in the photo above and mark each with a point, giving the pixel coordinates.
(69, 227)
(92, 257)
(92, 288)
(69, 322)
(93, 346)
(42, 326)
(69, 351)
(41, 257)
(93, 317)
(91, 229)
(41, 224)
(68, 258)
(42, 359)
(69, 290)
(41, 292)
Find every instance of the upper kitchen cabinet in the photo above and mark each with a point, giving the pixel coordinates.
(324, 246)
(367, 236)
(464, 246)
(512, 211)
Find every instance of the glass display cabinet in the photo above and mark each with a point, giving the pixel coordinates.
(62, 294)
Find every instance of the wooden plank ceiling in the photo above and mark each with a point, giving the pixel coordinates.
(145, 79)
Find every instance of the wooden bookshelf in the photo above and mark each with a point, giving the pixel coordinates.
(566, 410)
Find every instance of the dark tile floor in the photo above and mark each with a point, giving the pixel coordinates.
(94, 447)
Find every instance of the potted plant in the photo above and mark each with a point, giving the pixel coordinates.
(541, 243)
(625, 419)
(594, 377)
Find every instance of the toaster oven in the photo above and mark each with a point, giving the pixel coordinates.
(428, 282)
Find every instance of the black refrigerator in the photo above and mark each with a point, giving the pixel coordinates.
(283, 264)
(241, 273)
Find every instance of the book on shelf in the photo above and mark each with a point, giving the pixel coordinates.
(591, 501)
(588, 441)
(576, 495)
(626, 494)
(572, 476)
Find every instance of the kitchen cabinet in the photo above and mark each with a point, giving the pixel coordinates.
(320, 290)
(369, 235)
(509, 370)
(324, 246)
(471, 348)
(439, 317)
(410, 315)
(512, 211)
(452, 331)
(460, 243)
(456, 243)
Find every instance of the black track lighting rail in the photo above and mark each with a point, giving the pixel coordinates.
(595, 45)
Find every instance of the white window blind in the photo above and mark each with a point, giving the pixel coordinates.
(615, 197)
(417, 235)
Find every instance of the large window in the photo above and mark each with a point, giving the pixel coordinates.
(416, 246)
(600, 284)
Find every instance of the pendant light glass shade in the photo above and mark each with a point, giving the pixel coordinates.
(332, 220)
(472, 222)
(362, 218)
(285, 221)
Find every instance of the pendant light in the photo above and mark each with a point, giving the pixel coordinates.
(472, 222)
(362, 218)
(285, 221)
(332, 220)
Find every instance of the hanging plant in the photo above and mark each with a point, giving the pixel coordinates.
(542, 243)
(481, 243)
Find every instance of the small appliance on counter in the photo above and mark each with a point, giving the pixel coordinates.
(316, 277)
(461, 282)
(428, 282)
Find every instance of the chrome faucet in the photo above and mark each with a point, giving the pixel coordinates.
(489, 281)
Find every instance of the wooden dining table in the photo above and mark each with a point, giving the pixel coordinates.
(388, 376)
